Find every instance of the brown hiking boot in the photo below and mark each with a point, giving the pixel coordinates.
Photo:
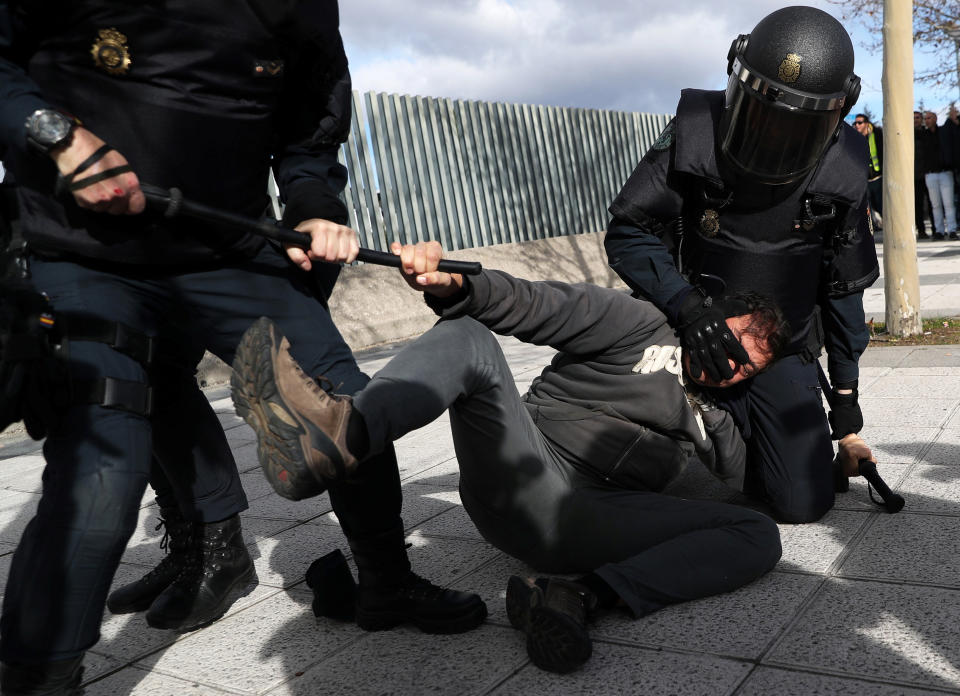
(301, 430)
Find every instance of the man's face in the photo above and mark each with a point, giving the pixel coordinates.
(930, 120)
(954, 115)
(759, 359)
(917, 119)
(860, 123)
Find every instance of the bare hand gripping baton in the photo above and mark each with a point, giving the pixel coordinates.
(174, 204)
(891, 502)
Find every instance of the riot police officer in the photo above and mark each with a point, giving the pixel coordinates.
(95, 98)
(762, 187)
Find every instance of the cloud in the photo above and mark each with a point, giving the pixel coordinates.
(599, 54)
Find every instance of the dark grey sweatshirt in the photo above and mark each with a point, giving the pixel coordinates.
(612, 402)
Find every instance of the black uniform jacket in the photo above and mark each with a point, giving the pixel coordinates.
(202, 96)
(807, 247)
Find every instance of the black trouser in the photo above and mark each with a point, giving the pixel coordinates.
(525, 499)
(875, 191)
(99, 459)
(789, 451)
(920, 201)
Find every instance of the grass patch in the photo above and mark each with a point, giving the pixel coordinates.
(937, 331)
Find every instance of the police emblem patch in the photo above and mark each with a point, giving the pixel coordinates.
(665, 139)
(710, 223)
(790, 68)
(110, 52)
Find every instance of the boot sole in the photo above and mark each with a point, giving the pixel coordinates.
(468, 620)
(518, 602)
(241, 587)
(132, 607)
(256, 399)
(555, 641)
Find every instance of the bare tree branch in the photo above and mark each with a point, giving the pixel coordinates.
(931, 20)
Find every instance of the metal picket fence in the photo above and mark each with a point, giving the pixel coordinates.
(469, 173)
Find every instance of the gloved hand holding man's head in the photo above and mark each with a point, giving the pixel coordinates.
(753, 334)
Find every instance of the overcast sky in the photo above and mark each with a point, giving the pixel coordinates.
(633, 55)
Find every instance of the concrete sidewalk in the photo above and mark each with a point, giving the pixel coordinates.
(862, 602)
(938, 265)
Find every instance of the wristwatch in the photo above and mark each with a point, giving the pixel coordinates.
(48, 129)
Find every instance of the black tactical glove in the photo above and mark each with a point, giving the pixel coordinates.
(845, 415)
(705, 336)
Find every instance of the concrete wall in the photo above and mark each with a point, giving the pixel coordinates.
(371, 305)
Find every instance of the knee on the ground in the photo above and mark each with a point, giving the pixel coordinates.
(804, 505)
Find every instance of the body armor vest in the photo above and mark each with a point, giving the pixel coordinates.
(777, 241)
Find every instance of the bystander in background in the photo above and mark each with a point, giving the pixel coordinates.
(874, 136)
(952, 126)
(920, 197)
(936, 154)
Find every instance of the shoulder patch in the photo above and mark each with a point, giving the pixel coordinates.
(665, 139)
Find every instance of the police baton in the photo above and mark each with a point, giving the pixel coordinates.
(173, 204)
(890, 501)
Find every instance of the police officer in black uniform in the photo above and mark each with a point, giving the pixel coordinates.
(762, 188)
(95, 98)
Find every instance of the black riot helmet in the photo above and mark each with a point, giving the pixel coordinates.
(791, 83)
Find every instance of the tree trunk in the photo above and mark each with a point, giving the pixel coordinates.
(901, 282)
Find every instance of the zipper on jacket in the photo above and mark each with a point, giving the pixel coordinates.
(623, 456)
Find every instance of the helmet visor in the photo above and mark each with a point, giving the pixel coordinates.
(771, 142)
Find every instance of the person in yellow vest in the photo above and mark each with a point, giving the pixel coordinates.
(874, 136)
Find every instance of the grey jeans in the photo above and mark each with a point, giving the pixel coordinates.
(652, 549)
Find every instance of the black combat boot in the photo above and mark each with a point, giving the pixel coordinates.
(217, 572)
(139, 595)
(553, 613)
(58, 678)
(390, 594)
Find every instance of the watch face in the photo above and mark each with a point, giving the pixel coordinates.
(52, 126)
(48, 128)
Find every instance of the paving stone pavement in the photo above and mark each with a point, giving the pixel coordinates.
(862, 602)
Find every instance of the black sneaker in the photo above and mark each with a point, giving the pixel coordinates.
(430, 608)
(218, 572)
(554, 621)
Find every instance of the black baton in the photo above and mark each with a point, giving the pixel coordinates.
(866, 468)
(174, 204)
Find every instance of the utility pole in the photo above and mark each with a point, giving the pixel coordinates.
(901, 282)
